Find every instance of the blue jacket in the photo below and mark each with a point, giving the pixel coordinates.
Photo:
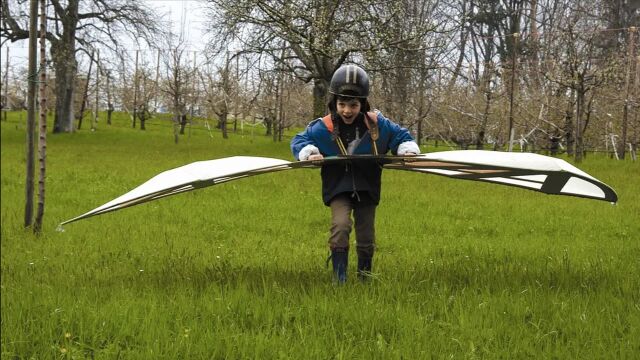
(361, 178)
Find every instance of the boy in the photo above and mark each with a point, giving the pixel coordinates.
(351, 128)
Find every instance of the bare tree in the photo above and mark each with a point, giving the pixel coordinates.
(146, 94)
(404, 73)
(581, 71)
(81, 23)
(320, 35)
(176, 84)
(218, 91)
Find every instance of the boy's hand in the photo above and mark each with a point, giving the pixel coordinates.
(315, 157)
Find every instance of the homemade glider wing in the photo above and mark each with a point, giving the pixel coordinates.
(190, 177)
(530, 171)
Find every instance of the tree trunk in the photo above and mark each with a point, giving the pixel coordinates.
(183, 123)
(568, 125)
(268, 120)
(319, 98)
(64, 60)
(109, 104)
(63, 56)
(534, 47)
(135, 93)
(274, 131)
(554, 144)
(223, 124)
(627, 90)
(487, 76)
(487, 107)
(176, 127)
(97, 102)
(85, 94)
(31, 115)
(144, 114)
(578, 129)
(461, 52)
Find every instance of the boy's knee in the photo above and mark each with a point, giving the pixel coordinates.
(341, 225)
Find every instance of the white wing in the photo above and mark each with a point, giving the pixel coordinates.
(530, 171)
(189, 177)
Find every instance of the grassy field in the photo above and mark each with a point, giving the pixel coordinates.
(464, 270)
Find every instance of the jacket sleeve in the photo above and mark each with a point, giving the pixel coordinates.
(399, 136)
(303, 144)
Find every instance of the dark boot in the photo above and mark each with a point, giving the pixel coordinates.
(340, 261)
(364, 268)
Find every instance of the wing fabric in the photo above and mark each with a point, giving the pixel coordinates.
(530, 171)
(189, 177)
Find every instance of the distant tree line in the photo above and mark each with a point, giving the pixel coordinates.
(537, 75)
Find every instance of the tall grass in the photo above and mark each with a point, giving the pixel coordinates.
(463, 269)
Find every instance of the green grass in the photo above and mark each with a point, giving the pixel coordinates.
(463, 270)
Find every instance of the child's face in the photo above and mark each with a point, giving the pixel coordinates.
(348, 109)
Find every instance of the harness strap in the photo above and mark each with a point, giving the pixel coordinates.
(370, 120)
(328, 122)
(373, 130)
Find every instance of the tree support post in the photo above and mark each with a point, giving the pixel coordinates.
(42, 140)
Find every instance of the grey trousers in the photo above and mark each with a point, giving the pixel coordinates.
(342, 206)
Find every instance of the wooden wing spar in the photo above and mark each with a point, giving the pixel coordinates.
(530, 171)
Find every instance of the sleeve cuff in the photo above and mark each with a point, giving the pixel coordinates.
(408, 147)
(307, 151)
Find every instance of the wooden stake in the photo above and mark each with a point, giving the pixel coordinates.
(42, 140)
(636, 96)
